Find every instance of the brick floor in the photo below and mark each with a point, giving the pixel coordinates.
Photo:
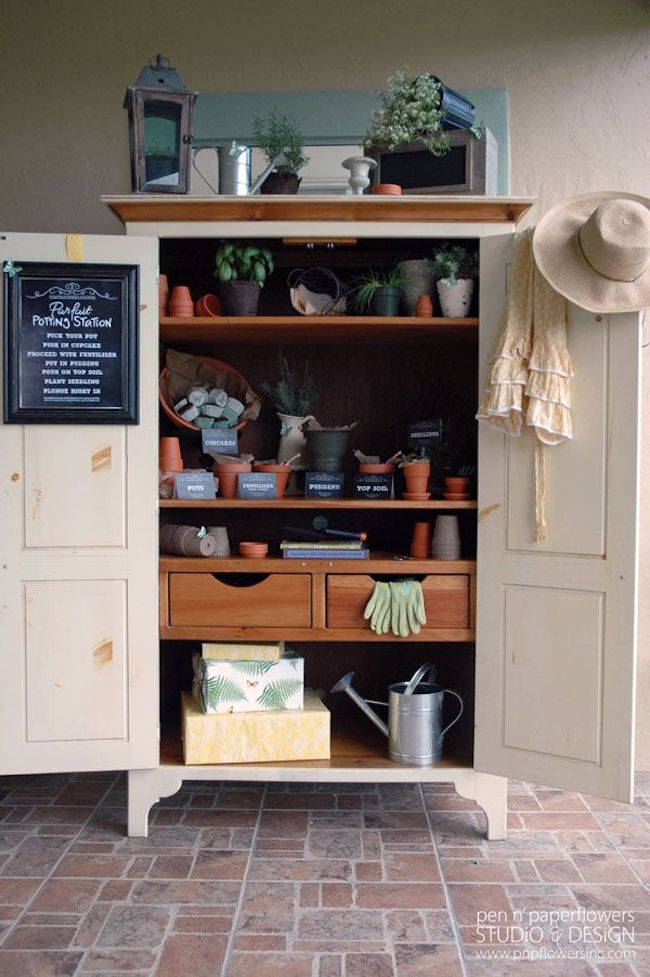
(320, 881)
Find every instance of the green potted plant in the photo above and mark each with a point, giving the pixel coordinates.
(278, 134)
(455, 270)
(293, 396)
(379, 291)
(410, 111)
(242, 269)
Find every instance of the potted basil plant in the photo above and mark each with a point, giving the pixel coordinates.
(242, 269)
(455, 270)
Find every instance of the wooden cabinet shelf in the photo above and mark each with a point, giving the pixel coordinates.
(270, 330)
(300, 503)
(359, 754)
(378, 563)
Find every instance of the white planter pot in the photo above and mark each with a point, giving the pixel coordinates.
(455, 300)
(445, 543)
(292, 439)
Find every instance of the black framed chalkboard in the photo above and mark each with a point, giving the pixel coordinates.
(70, 343)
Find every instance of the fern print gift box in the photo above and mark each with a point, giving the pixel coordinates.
(251, 686)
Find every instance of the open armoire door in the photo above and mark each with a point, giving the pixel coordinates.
(556, 621)
(78, 518)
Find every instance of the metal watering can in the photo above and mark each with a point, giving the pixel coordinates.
(235, 170)
(414, 717)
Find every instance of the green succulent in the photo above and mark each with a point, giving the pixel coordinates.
(452, 262)
(243, 262)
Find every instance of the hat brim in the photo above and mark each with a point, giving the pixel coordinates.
(560, 260)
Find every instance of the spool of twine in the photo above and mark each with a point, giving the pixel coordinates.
(220, 535)
(185, 541)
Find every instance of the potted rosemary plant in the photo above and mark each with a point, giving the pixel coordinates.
(278, 134)
(292, 396)
(242, 269)
(455, 270)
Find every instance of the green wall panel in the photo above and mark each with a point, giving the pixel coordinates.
(329, 118)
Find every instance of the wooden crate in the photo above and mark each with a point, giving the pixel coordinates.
(446, 600)
(219, 600)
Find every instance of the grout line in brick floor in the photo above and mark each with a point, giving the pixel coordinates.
(73, 839)
(242, 888)
(450, 909)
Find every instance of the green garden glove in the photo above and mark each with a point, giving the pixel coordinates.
(415, 607)
(399, 593)
(378, 605)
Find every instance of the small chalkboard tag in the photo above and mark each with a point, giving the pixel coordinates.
(194, 485)
(422, 434)
(324, 485)
(220, 441)
(373, 487)
(258, 485)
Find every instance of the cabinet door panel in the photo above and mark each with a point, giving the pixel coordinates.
(78, 576)
(556, 621)
(76, 675)
(82, 467)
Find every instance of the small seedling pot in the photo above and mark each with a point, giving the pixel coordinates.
(227, 474)
(417, 474)
(281, 473)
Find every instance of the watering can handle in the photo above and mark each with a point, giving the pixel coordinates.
(460, 713)
(417, 678)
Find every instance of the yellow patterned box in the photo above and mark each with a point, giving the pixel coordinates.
(256, 737)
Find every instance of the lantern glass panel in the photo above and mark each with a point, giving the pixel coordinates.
(162, 142)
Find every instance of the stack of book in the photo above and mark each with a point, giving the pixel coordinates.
(335, 549)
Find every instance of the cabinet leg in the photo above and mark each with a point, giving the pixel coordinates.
(146, 787)
(492, 796)
(490, 793)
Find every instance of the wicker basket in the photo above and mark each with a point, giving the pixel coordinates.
(319, 289)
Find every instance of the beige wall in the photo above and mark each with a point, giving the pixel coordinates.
(578, 76)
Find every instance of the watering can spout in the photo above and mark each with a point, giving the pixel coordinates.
(345, 685)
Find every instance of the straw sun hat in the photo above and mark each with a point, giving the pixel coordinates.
(595, 250)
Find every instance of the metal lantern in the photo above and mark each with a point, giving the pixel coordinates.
(160, 125)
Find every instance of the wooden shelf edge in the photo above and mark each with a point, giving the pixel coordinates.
(206, 633)
(422, 323)
(408, 207)
(300, 503)
(399, 565)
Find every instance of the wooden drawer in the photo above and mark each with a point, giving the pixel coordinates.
(446, 600)
(278, 600)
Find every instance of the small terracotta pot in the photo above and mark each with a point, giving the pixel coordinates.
(180, 301)
(456, 485)
(208, 305)
(370, 469)
(417, 474)
(421, 540)
(163, 295)
(253, 550)
(389, 189)
(227, 474)
(170, 458)
(424, 307)
(281, 473)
